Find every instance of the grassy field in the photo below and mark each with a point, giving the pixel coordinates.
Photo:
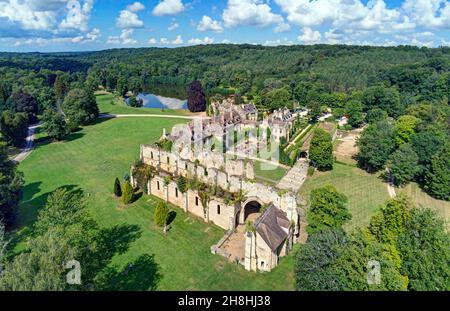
(365, 192)
(108, 103)
(422, 199)
(90, 160)
(272, 172)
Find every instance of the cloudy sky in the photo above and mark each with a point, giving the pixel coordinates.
(80, 25)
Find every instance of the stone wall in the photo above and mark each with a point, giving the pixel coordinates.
(195, 165)
(230, 175)
(218, 212)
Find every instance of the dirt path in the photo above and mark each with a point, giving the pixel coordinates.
(390, 185)
(25, 152)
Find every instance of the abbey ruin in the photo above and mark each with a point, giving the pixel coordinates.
(192, 171)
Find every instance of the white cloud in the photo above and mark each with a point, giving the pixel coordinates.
(178, 40)
(168, 7)
(282, 27)
(205, 40)
(353, 21)
(124, 38)
(277, 42)
(128, 19)
(29, 15)
(135, 7)
(91, 36)
(78, 14)
(249, 12)
(350, 14)
(432, 13)
(173, 26)
(208, 24)
(309, 36)
(164, 41)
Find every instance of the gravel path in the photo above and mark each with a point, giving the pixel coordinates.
(296, 176)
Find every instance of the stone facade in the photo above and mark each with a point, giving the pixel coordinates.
(232, 176)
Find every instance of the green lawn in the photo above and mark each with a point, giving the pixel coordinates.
(272, 172)
(422, 199)
(108, 103)
(365, 192)
(90, 160)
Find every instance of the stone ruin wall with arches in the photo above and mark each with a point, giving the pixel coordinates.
(232, 175)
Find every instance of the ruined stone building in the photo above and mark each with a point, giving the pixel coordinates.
(273, 213)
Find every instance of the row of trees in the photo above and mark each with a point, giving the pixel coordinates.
(11, 182)
(408, 245)
(414, 147)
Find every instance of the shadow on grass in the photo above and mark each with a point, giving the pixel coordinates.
(136, 196)
(73, 136)
(171, 217)
(139, 275)
(30, 205)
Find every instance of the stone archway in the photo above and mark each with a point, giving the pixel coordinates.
(250, 210)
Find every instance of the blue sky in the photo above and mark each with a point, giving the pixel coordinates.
(81, 25)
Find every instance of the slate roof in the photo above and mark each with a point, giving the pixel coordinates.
(273, 226)
(250, 108)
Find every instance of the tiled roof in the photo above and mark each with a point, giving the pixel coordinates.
(273, 226)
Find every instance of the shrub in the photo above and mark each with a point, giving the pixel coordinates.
(117, 188)
(127, 194)
(160, 214)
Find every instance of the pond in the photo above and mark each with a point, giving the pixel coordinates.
(164, 97)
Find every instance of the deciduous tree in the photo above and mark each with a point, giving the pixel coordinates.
(328, 209)
(55, 124)
(403, 165)
(375, 145)
(14, 127)
(437, 179)
(425, 252)
(196, 97)
(321, 150)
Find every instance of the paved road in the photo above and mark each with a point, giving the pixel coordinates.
(29, 144)
(110, 116)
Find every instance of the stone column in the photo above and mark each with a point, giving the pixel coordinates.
(250, 252)
(132, 181)
(149, 186)
(185, 207)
